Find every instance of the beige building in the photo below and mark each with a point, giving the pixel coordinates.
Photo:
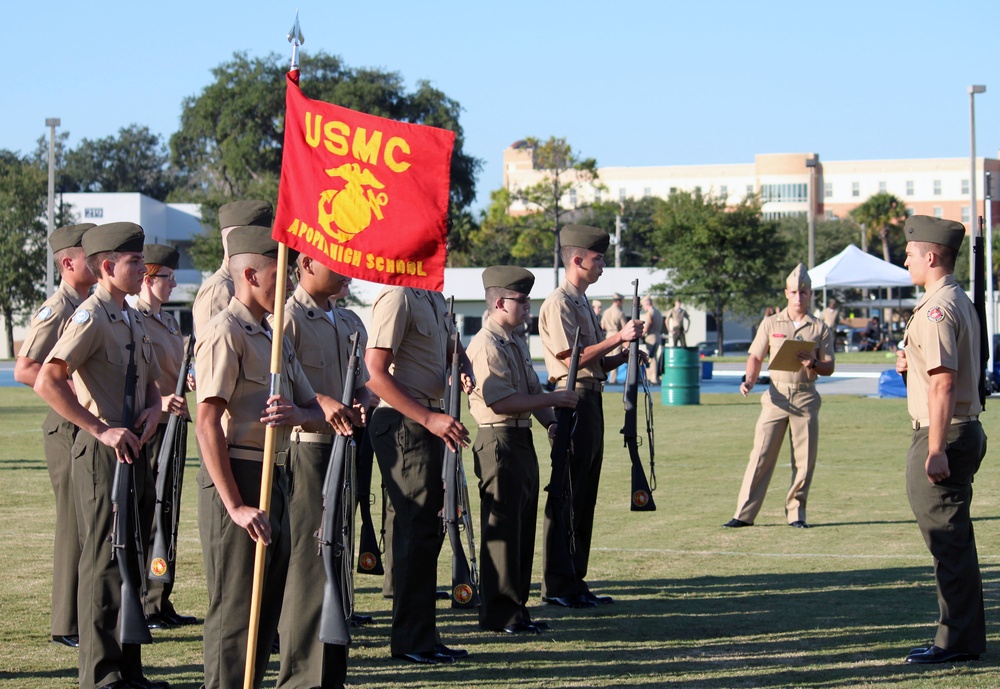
(928, 186)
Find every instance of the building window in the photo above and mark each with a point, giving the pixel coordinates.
(909, 187)
(855, 189)
(597, 195)
(724, 192)
(965, 187)
(937, 187)
(621, 195)
(647, 192)
(966, 216)
(830, 215)
(882, 187)
(828, 190)
(778, 215)
(784, 193)
(749, 190)
(572, 198)
(673, 190)
(909, 212)
(938, 212)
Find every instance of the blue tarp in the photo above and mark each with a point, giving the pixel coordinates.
(890, 384)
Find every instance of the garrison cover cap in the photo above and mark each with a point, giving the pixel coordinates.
(68, 236)
(509, 277)
(250, 212)
(585, 237)
(798, 279)
(115, 236)
(924, 228)
(161, 255)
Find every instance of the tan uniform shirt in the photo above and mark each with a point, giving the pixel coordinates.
(322, 346)
(50, 322)
(168, 345)
(213, 296)
(502, 367)
(773, 330)
(94, 347)
(944, 331)
(652, 326)
(416, 317)
(612, 320)
(676, 317)
(562, 312)
(233, 363)
(830, 317)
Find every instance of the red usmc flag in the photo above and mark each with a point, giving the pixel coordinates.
(366, 196)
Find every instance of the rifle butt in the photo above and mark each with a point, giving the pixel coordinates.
(464, 595)
(369, 556)
(333, 622)
(132, 627)
(160, 568)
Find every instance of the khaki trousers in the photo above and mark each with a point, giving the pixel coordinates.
(783, 409)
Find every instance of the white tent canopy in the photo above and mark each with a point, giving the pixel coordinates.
(852, 267)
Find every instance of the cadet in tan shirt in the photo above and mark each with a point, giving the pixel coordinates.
(791, 402)
(58, 434)
(320, 335)
(234, 405)
(95, 348)
(562, 312)
(942, 364)
(652, 330)
(613, 320)
(508, 394)
(215, 292)
(407, 361)
(676, 325)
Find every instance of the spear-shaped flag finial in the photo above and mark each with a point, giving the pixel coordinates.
(296, 38)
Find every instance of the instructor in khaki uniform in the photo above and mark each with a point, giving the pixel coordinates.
(562, 312)
(320, 335)
(104, 333)
(942, 364)
(406, 359)
(508, 394)
(215, 292)
(58, 433)
(790, 402)
(233, 360)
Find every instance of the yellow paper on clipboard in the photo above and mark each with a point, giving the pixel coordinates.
(785, 358)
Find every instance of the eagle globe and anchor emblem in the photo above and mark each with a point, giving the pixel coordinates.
(343, 213)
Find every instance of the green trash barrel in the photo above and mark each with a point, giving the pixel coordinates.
(681, 382)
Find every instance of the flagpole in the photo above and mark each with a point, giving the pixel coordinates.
(270, 439)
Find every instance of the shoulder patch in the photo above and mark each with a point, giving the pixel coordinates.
(44, 314)
(935, 314)
(81, 316)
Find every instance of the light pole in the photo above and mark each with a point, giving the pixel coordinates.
(973, 90)
(51, 123)
(812, 163)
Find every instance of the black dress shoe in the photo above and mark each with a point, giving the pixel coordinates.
(799, 524)
(71, 640)
(174, 619)
(360, 620)
(597, 600)
(569, 601)
(157, 622)
(453, 653)
(276, 645)
(735, 524)
(521, 628)
(427, 658)
(143, 683)
(118, 684)
(540, 626)
(936, 654)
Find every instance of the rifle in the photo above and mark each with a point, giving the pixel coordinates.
(336, 533)
(979, 301)
(170, 466)
(642, 492)
(559, 504)
(132, 627)
(370, 556)
(464, 572)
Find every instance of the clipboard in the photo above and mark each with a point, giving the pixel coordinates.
(785, 358)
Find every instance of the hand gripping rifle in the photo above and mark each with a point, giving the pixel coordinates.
(456, 516)
(642, 493)
(979, 301)
(127, 551)
(170, 469)
(336, 534)
(559, 503)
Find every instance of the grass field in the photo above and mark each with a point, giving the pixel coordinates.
(838, 605)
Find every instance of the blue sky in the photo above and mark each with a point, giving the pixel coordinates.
(627, 83)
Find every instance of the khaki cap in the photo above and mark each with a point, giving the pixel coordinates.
(239, 213)
(161, 255)
(585, 237)
(115, 236)
(798, 279)
(924, 228)
(68, 236)
(617, 297)
(509, 277)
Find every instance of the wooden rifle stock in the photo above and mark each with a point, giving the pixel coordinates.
(642, 494)
(336, 544)
(559, 503)
(464, 572)
(979, 301)
(132, 627)
(170, 468)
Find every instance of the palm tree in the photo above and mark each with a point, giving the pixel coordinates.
(882, 212)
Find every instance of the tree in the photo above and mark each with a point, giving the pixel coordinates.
(230, 141)
(832, 237)
(562, 171)
(23, 193)
(504, 239)
(883, 214)
(638, 228)
(135, 161)
(721, 259)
